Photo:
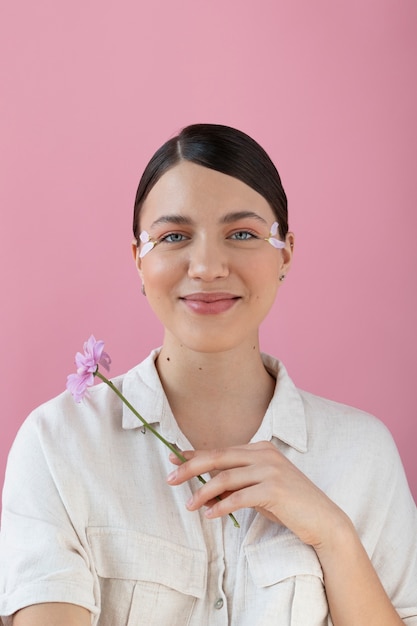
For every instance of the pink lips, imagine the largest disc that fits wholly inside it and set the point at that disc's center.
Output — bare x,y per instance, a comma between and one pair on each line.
210,303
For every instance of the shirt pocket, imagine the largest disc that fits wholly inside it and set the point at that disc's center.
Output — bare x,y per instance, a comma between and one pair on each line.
144,579
285,578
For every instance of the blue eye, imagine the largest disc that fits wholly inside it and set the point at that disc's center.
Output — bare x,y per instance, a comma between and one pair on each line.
243,235
173,238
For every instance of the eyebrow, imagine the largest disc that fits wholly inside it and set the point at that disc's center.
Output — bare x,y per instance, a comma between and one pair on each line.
241,215
172,219
229,218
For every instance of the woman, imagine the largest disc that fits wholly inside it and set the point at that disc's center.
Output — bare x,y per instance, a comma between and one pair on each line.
101,527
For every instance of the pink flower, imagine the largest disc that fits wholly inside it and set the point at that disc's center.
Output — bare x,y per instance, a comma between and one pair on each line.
277,243
87,366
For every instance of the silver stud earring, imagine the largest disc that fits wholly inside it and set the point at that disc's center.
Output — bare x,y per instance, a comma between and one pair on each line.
282,277
143,289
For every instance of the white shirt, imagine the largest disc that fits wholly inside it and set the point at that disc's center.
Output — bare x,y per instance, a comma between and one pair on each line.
88,517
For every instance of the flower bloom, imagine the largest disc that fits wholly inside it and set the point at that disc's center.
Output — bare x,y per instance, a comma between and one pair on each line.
272,239
87,365
149,244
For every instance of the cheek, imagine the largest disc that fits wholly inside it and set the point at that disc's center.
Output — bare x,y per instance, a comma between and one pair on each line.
159,273
265,271
267,283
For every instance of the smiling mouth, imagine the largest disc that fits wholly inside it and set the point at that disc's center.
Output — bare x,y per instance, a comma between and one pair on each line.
210,297
210,303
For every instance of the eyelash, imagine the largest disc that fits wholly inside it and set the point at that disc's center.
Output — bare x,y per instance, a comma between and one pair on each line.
168,238
244,232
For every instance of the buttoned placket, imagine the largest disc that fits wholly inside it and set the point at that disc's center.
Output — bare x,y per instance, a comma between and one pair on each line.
218,538
217,605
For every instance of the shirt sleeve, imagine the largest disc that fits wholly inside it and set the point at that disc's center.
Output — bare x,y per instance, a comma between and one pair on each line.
43,554
391,537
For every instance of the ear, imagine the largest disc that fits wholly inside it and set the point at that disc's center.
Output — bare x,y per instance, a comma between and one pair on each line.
135,253
287,253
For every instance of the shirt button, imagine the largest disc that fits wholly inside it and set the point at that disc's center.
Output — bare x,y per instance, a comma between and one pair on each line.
218,604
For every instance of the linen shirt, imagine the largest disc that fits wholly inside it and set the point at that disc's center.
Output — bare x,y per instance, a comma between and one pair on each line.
88,516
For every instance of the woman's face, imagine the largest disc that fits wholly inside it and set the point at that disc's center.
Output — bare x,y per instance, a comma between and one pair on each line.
211,278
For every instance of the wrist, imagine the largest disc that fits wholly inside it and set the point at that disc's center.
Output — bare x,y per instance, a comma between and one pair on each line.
338,537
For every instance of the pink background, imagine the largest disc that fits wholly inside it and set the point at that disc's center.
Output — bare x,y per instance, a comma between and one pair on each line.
90,89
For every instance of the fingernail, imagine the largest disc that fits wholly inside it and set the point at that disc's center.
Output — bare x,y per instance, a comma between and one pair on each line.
172,476
190,502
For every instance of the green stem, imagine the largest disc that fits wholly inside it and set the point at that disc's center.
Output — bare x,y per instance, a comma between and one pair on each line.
155,432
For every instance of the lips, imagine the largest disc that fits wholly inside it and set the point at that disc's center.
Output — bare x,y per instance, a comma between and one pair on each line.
210,303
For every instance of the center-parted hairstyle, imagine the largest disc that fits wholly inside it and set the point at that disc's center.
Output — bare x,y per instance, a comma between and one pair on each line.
225,150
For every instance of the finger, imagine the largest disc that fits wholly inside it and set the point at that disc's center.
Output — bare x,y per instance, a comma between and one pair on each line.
224,484
209,461
175,460
232,502
189,454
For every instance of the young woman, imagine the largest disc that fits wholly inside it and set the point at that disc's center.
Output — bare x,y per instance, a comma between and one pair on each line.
101,525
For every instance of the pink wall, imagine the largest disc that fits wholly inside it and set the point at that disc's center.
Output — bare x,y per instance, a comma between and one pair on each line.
90,89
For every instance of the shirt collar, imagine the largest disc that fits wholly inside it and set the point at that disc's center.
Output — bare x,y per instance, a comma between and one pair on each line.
143,388
284,419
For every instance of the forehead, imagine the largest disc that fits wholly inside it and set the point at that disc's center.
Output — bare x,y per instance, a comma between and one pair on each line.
199,191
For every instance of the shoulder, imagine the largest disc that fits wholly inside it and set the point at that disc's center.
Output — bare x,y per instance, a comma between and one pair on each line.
344,424
324,422
99,416
324,418
99,402
338,439
63,430
352,456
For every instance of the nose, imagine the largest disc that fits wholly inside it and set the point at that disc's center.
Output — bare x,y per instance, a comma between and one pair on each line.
208,260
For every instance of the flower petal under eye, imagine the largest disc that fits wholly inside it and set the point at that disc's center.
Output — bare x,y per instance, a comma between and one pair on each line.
149,243
144,236
276,243
147,248
274,229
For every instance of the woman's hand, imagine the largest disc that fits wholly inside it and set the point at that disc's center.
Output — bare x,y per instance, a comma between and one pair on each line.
258,476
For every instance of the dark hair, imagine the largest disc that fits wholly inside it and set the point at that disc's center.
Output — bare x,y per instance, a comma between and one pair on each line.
220,148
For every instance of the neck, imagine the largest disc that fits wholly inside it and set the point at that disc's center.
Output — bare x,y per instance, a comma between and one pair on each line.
218,399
